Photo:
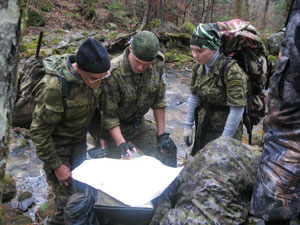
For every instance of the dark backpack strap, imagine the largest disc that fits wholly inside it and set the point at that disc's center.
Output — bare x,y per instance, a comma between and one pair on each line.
65,87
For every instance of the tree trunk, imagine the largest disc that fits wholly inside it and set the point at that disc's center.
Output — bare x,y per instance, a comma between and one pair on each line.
185,10
238,8
247,10
154,12
207,10
265,13
10,32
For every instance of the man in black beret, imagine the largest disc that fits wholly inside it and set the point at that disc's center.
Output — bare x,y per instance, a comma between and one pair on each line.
66,99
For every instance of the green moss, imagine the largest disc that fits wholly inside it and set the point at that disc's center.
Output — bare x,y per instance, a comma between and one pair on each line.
265,41
187,27
272,58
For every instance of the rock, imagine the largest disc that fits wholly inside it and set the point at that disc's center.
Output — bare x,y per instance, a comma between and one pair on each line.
13,216
274,42
25,200
9,187
77,37
67,26
111,26
62,45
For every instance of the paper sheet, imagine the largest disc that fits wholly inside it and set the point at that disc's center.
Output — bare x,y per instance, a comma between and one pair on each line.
133,182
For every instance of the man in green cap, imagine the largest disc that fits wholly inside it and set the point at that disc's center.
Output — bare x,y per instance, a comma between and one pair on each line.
137,84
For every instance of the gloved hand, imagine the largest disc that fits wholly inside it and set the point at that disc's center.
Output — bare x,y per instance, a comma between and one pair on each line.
188,136
126,146
164,142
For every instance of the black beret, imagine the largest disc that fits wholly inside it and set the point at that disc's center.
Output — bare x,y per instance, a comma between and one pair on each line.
92,57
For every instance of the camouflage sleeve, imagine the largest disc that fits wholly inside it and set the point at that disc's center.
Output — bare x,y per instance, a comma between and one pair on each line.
236,86
46,115
160,101
110,103
194,77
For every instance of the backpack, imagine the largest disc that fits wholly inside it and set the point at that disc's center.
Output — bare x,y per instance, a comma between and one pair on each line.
31,74
241,44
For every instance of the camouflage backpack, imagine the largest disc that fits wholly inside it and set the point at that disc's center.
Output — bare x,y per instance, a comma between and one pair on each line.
241,44
31,74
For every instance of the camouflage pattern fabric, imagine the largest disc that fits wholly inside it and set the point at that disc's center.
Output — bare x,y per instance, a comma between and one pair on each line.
145,45
58,121
214,187
206,35
211,91
71,156
126,94
277,188
59,126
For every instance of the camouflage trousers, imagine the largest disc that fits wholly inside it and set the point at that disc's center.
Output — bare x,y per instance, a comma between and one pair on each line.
210,126
214,187
144,138
71,156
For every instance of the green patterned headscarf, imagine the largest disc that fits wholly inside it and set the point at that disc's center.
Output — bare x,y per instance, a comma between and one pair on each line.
206,35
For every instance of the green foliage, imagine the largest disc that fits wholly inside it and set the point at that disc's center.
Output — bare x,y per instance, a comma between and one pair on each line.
117,10
46,7
35,19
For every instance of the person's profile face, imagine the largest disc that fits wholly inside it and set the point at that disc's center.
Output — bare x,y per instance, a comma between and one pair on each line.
202,55
138,66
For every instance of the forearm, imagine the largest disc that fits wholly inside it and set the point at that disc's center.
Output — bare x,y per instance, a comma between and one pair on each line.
116,134
193,103
233,120
159,115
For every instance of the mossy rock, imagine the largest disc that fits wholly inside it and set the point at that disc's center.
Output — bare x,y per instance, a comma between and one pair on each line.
9,187
35,19
272,58
187,27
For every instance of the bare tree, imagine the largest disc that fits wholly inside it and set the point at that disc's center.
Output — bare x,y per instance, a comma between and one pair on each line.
155,11
265,13
186,6
247,10
207,11
10,32
238,8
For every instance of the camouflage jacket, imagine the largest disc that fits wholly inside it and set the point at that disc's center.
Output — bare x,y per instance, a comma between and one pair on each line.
126,94
210,86
56,120
215,187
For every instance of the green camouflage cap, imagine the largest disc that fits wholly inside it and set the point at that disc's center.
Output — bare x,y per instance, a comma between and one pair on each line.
145,45
206,35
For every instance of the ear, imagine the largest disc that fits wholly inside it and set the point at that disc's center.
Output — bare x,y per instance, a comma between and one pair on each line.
130,48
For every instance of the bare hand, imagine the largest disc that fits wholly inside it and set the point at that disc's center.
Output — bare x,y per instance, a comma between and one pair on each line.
63,175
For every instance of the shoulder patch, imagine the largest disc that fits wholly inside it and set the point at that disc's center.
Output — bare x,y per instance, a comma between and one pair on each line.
164,79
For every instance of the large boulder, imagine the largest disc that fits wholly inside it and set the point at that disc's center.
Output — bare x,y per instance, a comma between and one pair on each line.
274,42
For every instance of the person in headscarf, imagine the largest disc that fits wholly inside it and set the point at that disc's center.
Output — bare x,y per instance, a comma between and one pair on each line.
216,103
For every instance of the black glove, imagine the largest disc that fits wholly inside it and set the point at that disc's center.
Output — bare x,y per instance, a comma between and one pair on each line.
124,147
166,143
168,148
